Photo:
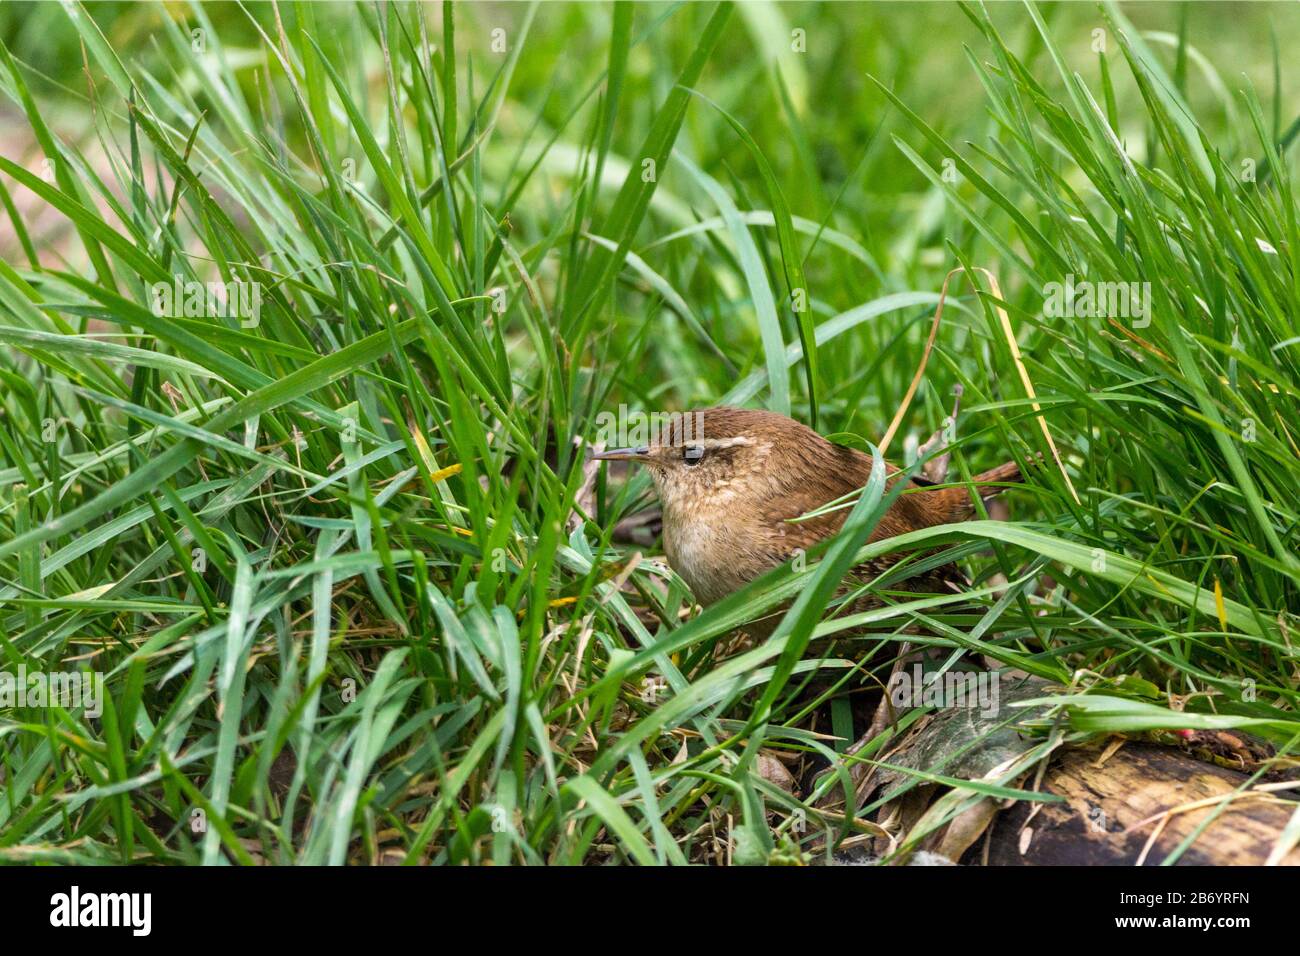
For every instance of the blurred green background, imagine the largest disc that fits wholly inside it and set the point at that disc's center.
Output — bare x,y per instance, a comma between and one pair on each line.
819,121
836,160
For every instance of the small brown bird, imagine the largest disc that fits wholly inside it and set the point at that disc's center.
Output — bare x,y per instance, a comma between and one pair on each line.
729,480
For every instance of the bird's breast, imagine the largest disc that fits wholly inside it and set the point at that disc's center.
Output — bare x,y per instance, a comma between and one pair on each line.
717,555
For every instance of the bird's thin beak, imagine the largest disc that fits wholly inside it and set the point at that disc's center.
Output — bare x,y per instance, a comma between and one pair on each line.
638,453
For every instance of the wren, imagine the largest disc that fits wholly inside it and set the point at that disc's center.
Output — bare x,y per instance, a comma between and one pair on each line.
731,479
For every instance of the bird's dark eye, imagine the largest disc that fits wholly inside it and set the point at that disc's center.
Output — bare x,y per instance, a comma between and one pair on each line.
692,454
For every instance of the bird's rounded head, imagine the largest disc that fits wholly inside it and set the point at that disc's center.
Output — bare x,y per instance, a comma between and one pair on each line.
714,456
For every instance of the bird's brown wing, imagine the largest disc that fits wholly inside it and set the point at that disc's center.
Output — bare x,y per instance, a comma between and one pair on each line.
917,507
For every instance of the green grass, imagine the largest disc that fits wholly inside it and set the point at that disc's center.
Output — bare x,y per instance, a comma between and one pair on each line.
330,564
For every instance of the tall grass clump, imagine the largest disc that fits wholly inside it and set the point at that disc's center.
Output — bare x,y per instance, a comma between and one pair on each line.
295,394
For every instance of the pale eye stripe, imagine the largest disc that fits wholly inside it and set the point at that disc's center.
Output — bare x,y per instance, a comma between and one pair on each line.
721,442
